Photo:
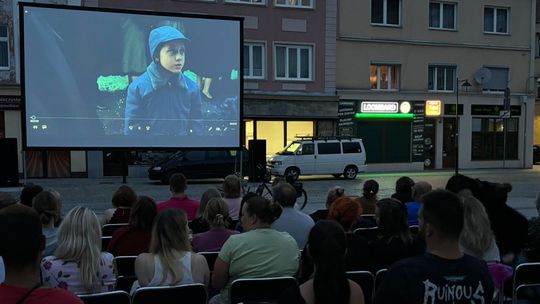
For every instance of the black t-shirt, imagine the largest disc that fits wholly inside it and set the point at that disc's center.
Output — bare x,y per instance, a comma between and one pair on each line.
430,279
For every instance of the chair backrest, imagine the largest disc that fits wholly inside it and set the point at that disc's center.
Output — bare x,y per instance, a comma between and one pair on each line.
525,275
210,258
105,240
379,277
414,229
366,280
112,297
261,289
190,293
367,233
125,265
109,229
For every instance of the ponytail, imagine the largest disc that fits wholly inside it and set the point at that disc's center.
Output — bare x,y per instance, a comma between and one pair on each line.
216,212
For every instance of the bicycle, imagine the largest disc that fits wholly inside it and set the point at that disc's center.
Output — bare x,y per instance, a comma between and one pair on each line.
264,190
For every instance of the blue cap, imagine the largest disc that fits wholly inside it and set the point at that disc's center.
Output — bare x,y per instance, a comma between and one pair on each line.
163,34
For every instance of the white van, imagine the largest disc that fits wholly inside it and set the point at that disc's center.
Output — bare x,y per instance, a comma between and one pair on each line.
305,156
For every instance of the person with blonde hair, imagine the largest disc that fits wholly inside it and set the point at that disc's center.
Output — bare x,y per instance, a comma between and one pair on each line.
47,205
232,195
170,261
216,214
477,238
78,264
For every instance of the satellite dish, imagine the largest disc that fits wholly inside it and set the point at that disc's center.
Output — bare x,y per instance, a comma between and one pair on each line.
482,76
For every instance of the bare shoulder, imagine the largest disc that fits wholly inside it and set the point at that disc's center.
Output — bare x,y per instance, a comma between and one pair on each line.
357,295
199,261
307,292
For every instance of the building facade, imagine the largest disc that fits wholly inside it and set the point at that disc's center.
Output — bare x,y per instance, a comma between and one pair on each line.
467,53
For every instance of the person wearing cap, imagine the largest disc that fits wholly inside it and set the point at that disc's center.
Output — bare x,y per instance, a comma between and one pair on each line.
162,101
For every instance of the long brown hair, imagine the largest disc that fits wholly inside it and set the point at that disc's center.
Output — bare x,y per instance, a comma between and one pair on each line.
170,236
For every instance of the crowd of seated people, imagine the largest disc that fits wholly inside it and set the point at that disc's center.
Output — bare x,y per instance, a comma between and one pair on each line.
455,238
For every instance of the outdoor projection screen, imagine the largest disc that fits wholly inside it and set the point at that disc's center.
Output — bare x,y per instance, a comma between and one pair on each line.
89,80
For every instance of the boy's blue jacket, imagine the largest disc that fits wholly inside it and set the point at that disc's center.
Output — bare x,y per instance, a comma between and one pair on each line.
161,103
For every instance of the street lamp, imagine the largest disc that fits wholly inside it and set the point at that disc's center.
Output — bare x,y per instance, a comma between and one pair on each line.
466,85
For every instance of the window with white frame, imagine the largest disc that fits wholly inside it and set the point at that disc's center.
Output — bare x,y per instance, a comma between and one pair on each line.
384,77
295,3
293,62
496,20
442,15
441,78
247,1
498,81
4,47
386,12
254,62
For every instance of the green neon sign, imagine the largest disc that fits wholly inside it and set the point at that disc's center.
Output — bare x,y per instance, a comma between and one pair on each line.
384,115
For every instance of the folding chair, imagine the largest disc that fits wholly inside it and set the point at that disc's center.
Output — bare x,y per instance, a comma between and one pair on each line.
366,280
414,229
125,272
261,289
109,229
379,277
367,233
210,258
105,240
526,282
190,293
112,297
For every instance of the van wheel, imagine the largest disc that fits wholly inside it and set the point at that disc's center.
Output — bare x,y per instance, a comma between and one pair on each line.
336,175
350,172
293,172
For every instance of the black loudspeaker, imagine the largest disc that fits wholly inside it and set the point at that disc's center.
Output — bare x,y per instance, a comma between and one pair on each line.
257,159
9,163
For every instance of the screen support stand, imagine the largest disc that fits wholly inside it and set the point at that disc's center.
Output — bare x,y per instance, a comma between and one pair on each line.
125,167
25,175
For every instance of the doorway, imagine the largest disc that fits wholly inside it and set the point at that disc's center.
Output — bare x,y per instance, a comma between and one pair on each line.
449,142
429,142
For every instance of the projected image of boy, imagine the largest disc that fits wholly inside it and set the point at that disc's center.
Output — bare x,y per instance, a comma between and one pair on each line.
162,101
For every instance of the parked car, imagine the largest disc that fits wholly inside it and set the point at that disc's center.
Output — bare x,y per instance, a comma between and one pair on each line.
536,154
336,156
197,164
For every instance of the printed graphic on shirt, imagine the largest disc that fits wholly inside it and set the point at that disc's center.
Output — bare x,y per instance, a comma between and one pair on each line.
453,291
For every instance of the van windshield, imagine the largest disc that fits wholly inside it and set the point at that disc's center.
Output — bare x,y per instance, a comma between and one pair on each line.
291,148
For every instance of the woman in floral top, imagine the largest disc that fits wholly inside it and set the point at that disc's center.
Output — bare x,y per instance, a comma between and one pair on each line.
78,264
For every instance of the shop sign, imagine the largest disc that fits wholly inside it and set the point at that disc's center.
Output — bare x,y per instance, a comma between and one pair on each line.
346,111
433,107
379,107
417,146
10,102
493,110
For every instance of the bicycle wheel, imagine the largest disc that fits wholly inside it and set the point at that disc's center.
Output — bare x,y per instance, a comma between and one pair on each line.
301,201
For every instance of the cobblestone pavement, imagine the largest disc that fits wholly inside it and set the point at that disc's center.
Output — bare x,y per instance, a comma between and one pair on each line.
96,193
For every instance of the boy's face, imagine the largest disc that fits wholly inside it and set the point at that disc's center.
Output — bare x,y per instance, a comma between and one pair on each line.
172,56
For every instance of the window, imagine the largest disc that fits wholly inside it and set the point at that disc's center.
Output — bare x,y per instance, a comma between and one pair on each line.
293,62
495,20
488,139
441,78
498,82
254,60
384,77
4,48
442,15
351,147
194,155
218,155
308,149
247,1
295,3
386,12
329,148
